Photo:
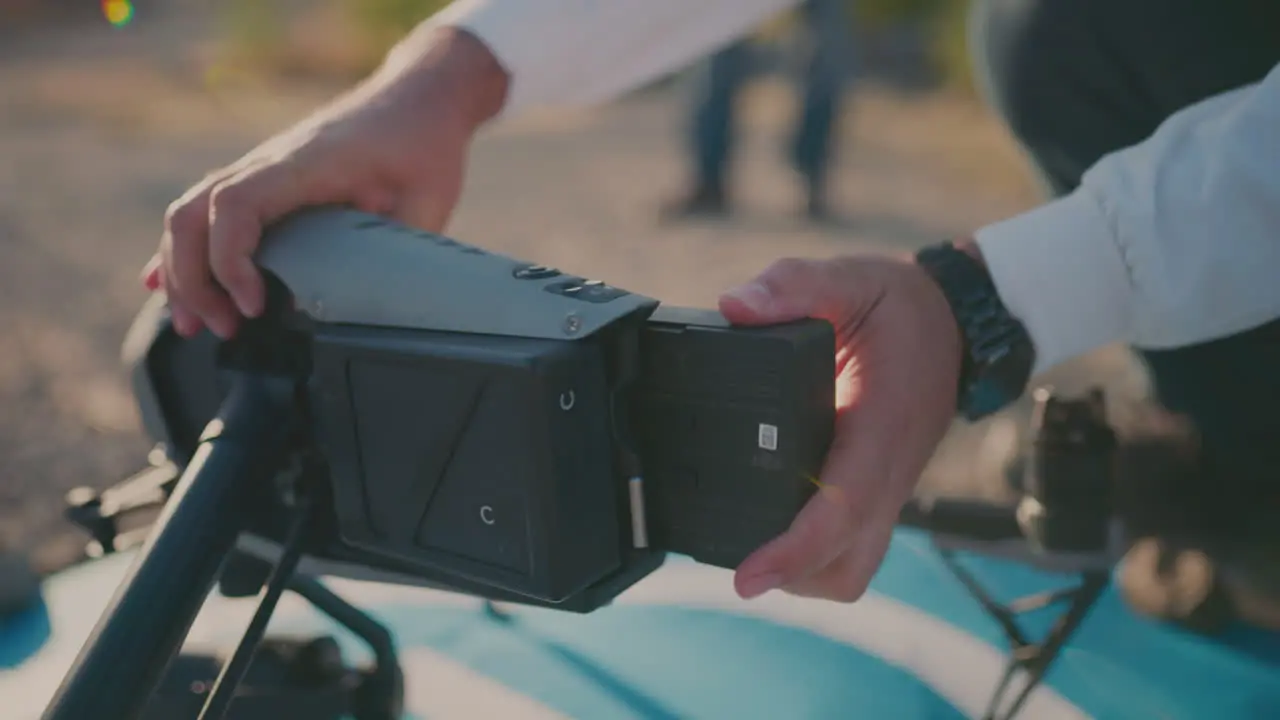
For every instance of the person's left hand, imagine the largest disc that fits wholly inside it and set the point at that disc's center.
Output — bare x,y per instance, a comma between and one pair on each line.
898,353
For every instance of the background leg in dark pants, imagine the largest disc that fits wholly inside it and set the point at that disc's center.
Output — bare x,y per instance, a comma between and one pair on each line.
828,69
712,140
713,125
1077,79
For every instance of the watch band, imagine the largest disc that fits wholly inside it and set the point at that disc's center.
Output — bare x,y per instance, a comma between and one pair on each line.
997,355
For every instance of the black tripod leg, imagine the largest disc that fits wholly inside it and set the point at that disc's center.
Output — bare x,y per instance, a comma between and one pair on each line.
1037,659
1001,614
381,696
1033,658
224,688
125,658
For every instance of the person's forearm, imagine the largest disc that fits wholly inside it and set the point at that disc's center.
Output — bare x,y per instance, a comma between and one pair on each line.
559,53
1172,242
443,61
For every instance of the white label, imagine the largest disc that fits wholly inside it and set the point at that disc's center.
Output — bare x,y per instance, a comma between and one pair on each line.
768,436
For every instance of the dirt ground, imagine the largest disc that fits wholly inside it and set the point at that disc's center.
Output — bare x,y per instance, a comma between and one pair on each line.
100,128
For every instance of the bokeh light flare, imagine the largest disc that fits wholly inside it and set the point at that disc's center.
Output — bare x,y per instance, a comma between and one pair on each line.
117,12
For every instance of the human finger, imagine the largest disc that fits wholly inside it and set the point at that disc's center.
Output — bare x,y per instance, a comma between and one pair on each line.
829,522
847,578
150,274
186,277
789,289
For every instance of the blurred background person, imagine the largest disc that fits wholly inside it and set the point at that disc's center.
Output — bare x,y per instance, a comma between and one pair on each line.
828,70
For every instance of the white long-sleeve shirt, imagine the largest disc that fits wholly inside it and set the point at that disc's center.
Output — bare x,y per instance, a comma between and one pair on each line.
1170,242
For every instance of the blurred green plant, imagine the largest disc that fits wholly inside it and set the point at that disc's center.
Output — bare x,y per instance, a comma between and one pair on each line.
383,22
274,36
260,33
945,23
253,29
879,13
950,45
380,24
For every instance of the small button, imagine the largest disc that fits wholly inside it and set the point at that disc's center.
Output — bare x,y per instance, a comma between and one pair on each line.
592,291
600,293
535,272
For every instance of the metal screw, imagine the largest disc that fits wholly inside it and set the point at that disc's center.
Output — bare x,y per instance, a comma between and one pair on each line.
572,324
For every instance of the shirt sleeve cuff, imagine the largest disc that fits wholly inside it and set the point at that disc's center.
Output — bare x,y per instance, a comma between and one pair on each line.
528,39
1059,270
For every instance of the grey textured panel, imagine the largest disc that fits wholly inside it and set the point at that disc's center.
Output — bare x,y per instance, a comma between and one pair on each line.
345,266
147,325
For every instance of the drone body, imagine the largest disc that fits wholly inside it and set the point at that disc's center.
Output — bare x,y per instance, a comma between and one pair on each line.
433,428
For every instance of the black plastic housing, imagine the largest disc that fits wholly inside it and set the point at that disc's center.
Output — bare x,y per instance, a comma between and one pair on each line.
480,456
501,467
732,426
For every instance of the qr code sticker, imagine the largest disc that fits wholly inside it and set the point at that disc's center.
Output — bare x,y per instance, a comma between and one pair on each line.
768,436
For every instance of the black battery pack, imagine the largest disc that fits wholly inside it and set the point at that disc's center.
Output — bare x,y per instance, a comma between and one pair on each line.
732,425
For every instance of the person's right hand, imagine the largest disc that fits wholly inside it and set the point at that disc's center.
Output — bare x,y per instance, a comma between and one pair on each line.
395,145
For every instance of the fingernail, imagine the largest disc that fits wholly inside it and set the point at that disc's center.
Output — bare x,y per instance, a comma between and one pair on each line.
249,308
760,584
755,296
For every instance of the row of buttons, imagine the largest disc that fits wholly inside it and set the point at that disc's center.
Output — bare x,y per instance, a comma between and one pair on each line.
593,291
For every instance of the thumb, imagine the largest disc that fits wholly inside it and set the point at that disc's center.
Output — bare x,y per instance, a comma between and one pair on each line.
790,289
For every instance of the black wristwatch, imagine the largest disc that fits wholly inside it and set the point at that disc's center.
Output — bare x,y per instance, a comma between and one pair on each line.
998,355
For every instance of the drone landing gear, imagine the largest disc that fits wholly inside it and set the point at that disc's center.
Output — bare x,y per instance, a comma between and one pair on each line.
1034,659
380,693
268,678
287,678
271,678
